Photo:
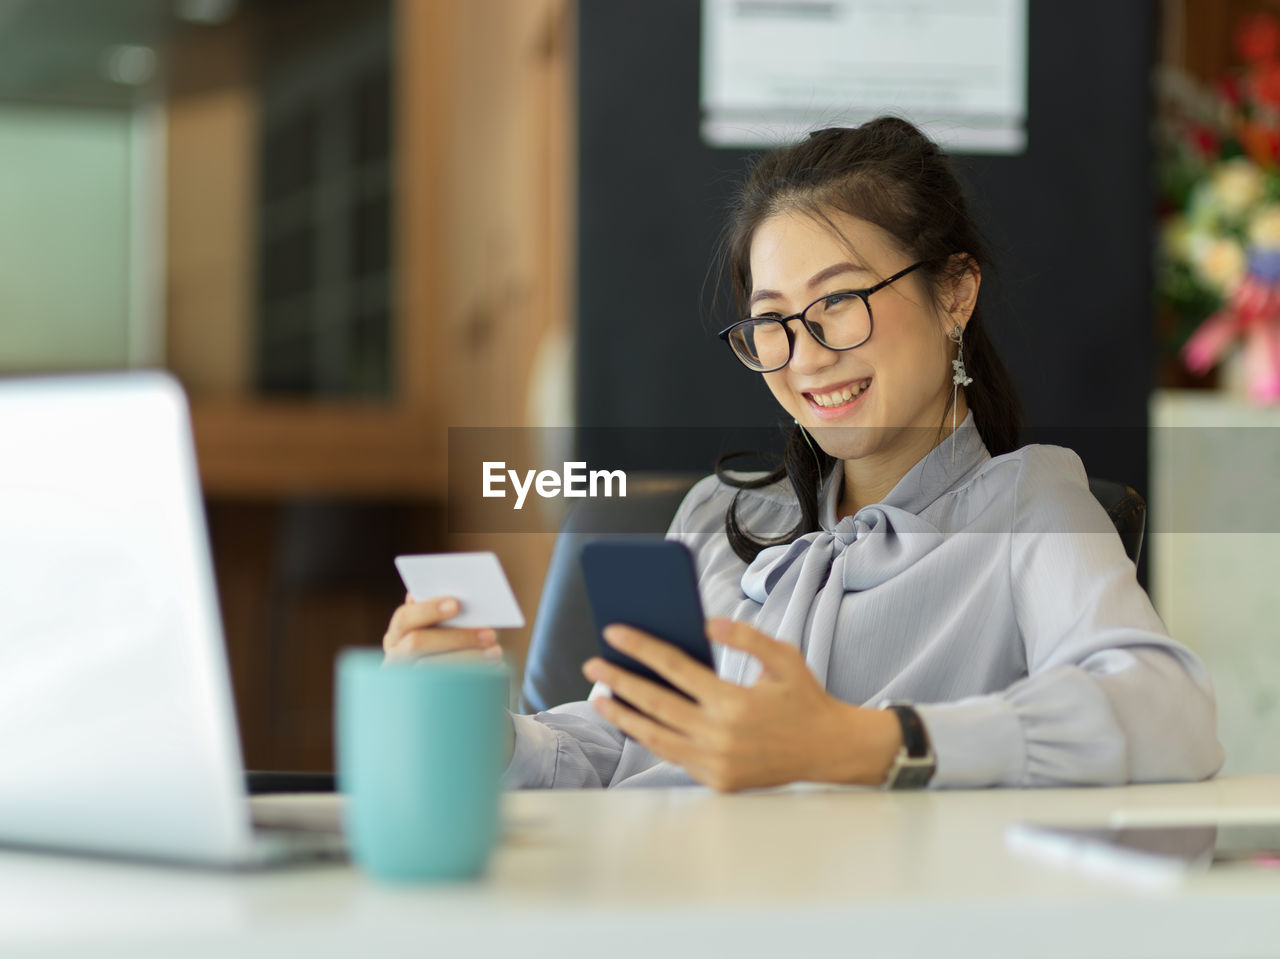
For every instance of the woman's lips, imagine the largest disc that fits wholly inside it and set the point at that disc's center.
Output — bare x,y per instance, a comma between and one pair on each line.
835,412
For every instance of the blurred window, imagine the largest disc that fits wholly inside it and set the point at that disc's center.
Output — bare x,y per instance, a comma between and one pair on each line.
325,213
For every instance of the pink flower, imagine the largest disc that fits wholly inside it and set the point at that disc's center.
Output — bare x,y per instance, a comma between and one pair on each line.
1262,362
1211,340
1252,315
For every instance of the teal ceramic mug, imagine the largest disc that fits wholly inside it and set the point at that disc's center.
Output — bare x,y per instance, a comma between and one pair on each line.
421,748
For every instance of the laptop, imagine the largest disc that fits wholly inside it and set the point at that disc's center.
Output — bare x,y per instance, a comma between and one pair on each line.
117,723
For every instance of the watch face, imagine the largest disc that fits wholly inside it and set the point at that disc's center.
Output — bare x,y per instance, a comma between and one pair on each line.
911,776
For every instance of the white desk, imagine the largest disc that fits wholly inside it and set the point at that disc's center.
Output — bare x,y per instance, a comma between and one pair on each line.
659,873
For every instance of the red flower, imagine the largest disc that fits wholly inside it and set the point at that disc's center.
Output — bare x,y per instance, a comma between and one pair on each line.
1273,147
1229,90
1258,37
1266,82
1258,143
1204,141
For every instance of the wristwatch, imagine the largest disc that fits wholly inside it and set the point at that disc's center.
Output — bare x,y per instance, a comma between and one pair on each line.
914,765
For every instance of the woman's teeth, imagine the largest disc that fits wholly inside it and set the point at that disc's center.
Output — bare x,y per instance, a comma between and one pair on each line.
840,397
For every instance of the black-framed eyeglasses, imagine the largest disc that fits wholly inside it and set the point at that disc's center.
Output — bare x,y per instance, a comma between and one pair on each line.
843,322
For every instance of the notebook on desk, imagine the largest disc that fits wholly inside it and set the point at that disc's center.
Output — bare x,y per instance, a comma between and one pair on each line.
117,723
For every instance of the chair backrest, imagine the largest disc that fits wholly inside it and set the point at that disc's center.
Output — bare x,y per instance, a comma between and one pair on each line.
563,633
1127,509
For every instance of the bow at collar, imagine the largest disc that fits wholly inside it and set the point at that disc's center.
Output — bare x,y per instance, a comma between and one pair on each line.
800,585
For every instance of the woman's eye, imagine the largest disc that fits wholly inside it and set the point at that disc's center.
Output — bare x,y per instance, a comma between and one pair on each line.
835,299
768,316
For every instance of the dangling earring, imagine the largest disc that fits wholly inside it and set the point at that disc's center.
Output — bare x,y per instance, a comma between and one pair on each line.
959,378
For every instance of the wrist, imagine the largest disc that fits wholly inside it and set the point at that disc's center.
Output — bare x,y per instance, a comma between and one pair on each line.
860,746
915,764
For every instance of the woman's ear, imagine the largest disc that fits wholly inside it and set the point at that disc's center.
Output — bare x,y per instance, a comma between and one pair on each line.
960,295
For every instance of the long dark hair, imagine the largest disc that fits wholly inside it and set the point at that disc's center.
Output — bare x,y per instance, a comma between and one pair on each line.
888,173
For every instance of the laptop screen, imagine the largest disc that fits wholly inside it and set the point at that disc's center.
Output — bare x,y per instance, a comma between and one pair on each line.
116,716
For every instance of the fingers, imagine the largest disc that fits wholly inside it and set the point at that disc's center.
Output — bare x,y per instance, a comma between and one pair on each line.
414,632
413,615
658,739
432,642
669,708
776,657
668,661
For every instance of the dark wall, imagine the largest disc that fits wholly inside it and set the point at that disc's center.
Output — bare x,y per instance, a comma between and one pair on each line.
1069,222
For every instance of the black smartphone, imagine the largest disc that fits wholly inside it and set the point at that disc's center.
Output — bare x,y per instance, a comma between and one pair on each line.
650,584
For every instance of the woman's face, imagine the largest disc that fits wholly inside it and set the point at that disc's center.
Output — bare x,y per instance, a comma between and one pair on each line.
886,397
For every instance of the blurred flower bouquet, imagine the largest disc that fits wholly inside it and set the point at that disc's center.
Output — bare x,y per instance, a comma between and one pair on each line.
1218,265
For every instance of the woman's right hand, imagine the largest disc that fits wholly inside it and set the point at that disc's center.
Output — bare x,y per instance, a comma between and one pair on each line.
414,632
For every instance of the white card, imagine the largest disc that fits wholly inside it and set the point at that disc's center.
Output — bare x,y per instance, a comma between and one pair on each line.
476,580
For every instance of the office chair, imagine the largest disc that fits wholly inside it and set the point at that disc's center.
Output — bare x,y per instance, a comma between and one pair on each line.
563,634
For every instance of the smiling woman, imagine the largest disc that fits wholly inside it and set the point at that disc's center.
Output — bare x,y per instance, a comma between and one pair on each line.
872,408
880,201
910,599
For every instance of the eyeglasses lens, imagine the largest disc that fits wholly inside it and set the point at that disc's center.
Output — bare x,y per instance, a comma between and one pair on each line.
838,322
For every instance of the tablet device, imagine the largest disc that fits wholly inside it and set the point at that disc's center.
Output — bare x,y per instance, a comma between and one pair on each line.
476,580
650,584
1166,851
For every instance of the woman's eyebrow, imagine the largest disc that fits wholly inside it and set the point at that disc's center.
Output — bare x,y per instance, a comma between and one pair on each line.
818,278
823,275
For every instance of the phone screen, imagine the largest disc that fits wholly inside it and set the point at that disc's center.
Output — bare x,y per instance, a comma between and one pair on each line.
650,584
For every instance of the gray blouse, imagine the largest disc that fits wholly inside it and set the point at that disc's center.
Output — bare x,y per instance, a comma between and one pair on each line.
992,592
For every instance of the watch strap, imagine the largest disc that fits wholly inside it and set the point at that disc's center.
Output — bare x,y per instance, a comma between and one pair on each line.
914,765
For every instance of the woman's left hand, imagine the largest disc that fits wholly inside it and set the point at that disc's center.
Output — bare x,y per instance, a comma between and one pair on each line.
784,728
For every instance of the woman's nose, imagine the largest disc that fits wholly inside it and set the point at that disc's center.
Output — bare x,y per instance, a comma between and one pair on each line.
807,354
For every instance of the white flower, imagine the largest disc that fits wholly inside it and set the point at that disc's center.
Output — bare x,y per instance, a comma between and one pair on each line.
1235,186
1264,227
1218,261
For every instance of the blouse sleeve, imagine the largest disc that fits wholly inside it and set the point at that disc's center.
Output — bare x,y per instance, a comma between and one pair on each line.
572,746
568,747
1109,698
